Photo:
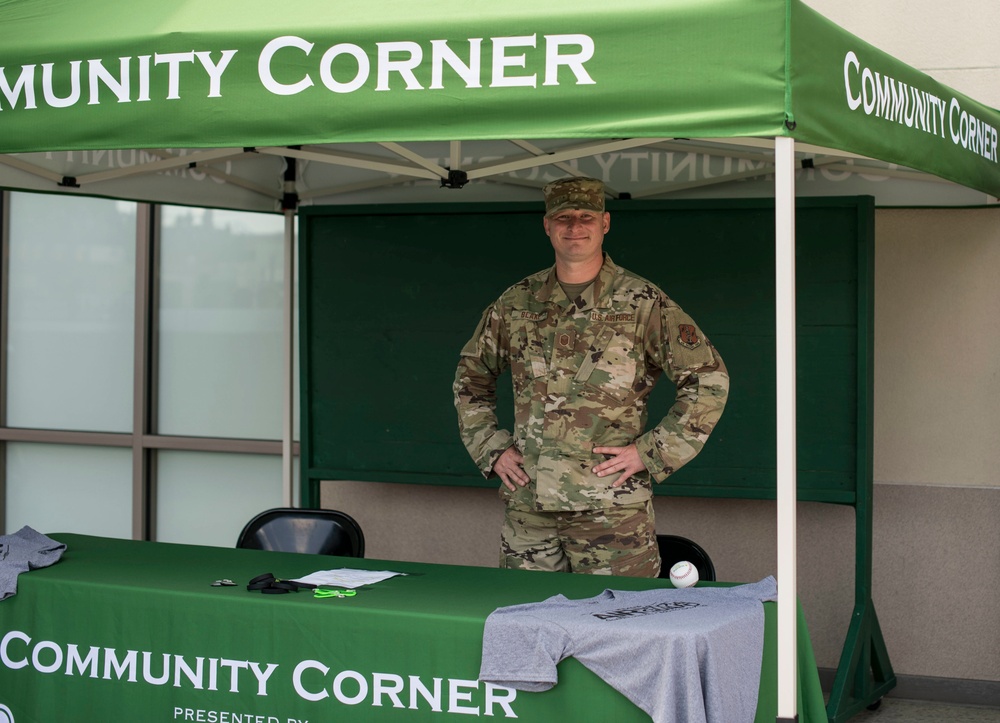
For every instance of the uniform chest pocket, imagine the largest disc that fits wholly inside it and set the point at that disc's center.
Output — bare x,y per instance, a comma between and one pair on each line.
610,362
527,351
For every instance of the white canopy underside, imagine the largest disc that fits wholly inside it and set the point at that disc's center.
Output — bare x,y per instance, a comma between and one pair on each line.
465,171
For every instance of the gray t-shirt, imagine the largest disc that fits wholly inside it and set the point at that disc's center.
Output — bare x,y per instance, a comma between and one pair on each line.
690,655
25,550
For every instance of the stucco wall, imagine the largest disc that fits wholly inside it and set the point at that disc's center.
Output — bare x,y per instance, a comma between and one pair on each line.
957,42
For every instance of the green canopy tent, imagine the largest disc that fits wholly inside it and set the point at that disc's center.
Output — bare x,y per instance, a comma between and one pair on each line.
239,82
249,105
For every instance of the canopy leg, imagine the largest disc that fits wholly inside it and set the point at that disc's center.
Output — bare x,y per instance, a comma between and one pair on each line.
784,259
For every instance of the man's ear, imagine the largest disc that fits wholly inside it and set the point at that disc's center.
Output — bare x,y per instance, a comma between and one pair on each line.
607,222
545,224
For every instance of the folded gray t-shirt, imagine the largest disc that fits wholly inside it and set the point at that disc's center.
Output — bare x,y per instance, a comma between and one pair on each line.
25,550
691,655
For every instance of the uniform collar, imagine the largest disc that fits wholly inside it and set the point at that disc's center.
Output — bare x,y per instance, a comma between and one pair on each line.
595,296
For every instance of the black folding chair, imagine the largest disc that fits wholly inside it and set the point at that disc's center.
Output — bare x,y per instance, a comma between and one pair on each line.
674,548
318,532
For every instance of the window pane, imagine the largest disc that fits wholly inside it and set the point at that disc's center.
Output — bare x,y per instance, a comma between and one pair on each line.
205,498
220,340
69,488
72,278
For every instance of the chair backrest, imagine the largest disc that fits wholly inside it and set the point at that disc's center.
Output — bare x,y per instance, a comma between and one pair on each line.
318,532
674,548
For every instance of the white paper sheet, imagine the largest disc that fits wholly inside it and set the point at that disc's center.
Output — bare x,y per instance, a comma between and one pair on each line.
346,577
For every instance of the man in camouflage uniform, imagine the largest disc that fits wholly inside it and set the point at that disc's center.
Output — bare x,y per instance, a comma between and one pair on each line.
585,342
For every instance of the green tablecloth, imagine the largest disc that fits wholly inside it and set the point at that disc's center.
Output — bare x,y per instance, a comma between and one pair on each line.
134,631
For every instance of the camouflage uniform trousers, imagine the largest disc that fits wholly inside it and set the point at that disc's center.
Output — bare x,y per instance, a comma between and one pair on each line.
619,540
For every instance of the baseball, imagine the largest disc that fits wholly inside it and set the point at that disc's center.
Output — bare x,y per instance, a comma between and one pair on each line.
683,574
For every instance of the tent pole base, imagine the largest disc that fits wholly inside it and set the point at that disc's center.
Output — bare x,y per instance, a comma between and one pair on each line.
865,674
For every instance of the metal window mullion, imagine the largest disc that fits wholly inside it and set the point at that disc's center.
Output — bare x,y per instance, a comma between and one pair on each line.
234,445
153,365
150,442
143,502
288,358
4,298
65,437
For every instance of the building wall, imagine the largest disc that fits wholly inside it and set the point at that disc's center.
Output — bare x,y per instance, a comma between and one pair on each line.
957,43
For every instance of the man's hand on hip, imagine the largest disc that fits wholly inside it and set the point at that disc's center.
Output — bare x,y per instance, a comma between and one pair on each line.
625,460
508,468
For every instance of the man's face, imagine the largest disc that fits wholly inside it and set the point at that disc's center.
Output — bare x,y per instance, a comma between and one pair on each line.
577,234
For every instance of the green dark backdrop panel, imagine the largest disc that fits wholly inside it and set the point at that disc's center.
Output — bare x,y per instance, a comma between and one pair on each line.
390,294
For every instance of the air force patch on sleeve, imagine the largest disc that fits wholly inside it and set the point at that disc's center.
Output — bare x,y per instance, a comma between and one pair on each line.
687,336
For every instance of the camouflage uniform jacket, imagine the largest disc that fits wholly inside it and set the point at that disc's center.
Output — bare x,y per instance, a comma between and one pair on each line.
582,371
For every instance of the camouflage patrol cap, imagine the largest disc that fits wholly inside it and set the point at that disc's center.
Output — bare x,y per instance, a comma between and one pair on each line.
577,193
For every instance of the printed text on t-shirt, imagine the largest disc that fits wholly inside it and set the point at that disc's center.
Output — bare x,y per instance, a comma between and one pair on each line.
640,610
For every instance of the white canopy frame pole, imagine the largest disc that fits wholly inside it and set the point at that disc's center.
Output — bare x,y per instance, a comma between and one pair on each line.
784,281
288,346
